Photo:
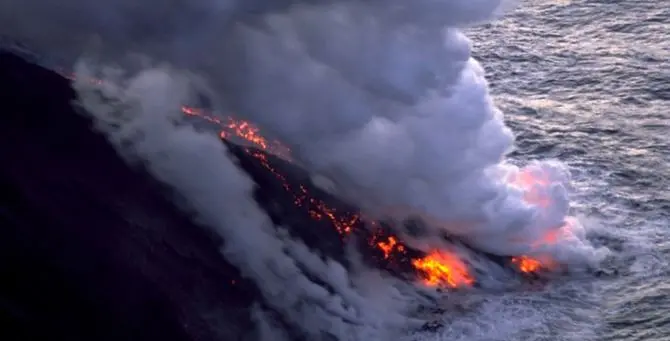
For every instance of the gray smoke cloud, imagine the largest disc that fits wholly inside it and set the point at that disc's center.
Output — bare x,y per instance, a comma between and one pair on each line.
381,97
140,114
391,107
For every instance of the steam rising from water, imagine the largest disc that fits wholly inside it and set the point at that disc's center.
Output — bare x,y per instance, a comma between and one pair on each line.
381,97
389,105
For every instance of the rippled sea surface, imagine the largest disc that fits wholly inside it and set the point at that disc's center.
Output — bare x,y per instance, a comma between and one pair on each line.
588,82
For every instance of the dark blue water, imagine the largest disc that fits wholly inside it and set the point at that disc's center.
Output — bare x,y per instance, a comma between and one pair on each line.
588,82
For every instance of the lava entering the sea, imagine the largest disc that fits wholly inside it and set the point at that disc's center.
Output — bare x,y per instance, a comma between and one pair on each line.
438,268
530,182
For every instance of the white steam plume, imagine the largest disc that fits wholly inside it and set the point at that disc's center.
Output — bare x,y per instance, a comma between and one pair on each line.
141,116
390,105
382,97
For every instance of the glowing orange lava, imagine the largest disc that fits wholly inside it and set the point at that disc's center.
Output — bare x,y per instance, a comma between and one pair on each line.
388,246
527,264
243,130
441,267
437,269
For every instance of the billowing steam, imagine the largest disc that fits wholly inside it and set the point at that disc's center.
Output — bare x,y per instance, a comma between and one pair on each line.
391,107
381,97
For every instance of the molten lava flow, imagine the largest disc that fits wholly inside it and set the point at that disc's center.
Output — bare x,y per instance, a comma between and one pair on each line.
527,264
441,267
232,127
388,246
243,130
438,268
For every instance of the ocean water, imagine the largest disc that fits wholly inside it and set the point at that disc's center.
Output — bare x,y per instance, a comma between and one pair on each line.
588,82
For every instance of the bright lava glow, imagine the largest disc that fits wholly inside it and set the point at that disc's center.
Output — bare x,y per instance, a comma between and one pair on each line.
437,269
440,268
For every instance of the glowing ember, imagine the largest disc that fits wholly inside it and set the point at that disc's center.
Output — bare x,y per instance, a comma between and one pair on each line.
342,224
526,264
388,246
243,130
441,268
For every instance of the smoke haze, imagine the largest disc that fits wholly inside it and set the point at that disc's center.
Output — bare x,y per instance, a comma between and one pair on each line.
380,97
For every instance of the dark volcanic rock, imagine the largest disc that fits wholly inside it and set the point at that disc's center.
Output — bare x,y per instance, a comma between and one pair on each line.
89,248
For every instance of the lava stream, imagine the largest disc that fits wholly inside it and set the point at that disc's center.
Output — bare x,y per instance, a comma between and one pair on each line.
438,268
441,267
243,130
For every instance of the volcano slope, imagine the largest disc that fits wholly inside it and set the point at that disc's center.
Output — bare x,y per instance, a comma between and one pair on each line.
93,250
